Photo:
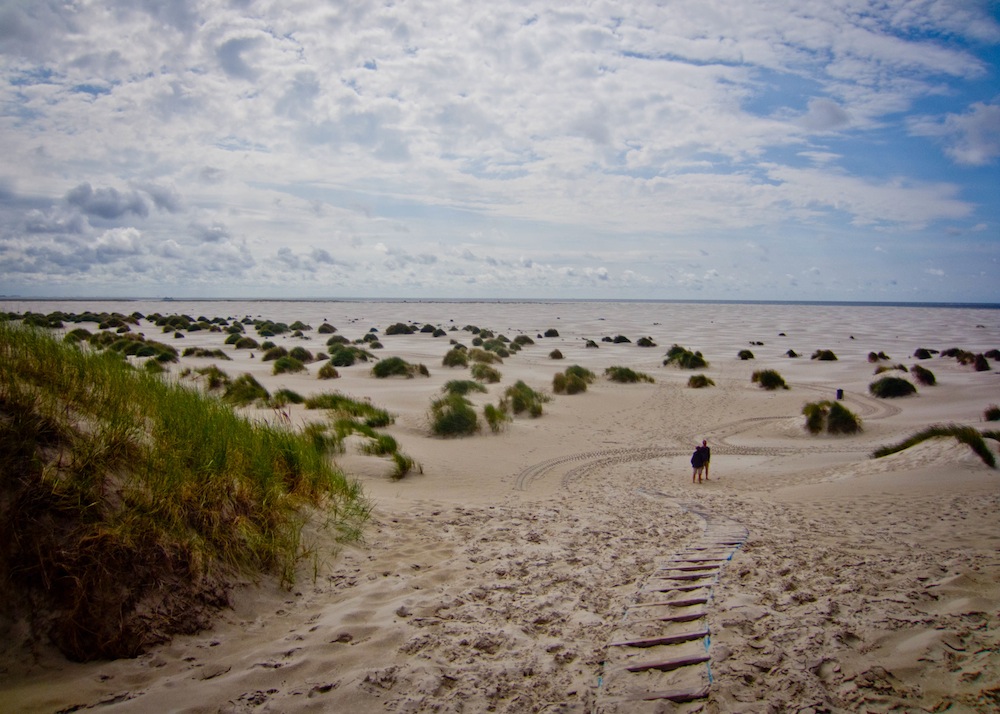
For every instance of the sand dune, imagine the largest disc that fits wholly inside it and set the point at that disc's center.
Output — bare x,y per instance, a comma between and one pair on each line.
502,577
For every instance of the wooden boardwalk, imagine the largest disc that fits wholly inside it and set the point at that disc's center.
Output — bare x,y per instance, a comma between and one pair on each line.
661,651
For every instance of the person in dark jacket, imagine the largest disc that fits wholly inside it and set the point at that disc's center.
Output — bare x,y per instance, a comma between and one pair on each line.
706,456
698,464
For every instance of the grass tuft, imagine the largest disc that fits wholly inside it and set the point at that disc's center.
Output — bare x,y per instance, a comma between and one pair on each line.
398,367
965,434
485,373
923,375
685,358
832,416
768,379
891,388
452,415
520,398
699,381
626,375
463,387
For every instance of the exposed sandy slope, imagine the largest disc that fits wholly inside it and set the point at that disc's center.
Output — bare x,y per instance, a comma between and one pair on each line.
496,580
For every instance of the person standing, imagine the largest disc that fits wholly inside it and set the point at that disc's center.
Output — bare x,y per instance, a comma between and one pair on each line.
698,464
706,456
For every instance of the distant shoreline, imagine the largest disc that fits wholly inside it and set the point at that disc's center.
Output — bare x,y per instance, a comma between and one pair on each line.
515,301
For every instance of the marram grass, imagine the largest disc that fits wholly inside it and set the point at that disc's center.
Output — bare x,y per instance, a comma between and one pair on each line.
121,489
965,434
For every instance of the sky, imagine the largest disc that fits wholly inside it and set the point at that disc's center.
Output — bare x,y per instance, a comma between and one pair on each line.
678,149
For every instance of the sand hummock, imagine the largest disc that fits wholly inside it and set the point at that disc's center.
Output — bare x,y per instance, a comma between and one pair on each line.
506,576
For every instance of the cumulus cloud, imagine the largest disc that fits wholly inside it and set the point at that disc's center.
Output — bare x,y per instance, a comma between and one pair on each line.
824,115
971,138
108,203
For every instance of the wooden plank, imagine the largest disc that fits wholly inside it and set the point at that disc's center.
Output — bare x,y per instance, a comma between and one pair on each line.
677,696
669,664
677,603
690,568
663,640
685,577
682,617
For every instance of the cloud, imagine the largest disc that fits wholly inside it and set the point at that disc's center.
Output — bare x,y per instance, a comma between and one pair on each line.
117,243
971,139
824,115
107,203
511,147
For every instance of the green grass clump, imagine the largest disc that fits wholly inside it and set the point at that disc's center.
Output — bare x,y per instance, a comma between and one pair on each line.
842,420
80,334
128,504
645,342
520,398
341,405
552,332
345,355
834,417
484,356
288,365
398,367
824,356
685,358
399,328
625,375
992,413
214,378
244,391
328,371
485,373
745,354
462,386
244,343
284,397
455,357
573,380
964,434
497,417
768,379
273,352
699,381
301,354
891,388
453,415
923,375
555,354
923,353
523,340
792,354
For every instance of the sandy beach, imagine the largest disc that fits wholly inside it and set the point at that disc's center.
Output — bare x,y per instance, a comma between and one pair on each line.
570,564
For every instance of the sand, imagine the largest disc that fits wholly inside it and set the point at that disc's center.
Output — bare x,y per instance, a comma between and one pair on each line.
507,575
